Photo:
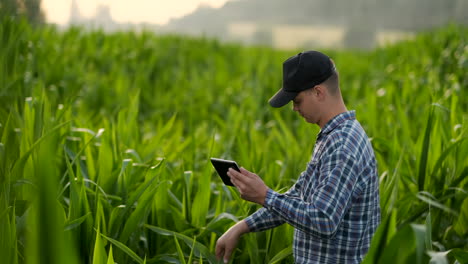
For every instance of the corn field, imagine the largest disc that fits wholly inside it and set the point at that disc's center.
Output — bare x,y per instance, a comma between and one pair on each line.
105,140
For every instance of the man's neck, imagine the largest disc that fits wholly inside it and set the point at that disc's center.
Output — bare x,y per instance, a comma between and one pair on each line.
332,112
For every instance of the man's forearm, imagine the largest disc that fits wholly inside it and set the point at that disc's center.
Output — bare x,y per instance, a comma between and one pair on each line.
240,228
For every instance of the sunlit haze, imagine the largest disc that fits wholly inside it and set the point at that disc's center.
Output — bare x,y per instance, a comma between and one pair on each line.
134,11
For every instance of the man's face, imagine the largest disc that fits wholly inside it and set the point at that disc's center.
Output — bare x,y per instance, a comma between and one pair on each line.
306,104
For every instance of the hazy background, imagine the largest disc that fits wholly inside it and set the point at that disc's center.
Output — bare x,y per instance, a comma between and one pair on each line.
283,24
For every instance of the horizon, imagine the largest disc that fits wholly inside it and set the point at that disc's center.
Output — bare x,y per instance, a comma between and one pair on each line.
122,11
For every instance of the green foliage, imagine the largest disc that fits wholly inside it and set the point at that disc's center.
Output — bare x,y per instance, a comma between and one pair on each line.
29,9
105,142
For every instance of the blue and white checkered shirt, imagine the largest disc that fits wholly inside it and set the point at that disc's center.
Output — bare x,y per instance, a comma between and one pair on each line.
334,205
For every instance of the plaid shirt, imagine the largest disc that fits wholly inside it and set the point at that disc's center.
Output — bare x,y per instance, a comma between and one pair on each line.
334,205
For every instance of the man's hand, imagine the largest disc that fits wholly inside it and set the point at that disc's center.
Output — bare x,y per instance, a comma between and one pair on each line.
228,242
250,186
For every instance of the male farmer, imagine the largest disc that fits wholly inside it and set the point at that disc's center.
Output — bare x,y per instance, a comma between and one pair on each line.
334,205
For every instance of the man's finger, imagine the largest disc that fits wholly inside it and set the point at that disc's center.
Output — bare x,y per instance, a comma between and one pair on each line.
234,182
227,254
239,185
244,171
220,254
219,251
247,173
233,174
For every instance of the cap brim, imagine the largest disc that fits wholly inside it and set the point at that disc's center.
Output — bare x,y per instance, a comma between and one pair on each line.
281,98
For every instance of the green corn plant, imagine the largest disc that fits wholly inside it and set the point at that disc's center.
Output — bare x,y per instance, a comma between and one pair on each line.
105,142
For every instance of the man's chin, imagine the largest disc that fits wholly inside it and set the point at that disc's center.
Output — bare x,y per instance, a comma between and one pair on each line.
309,120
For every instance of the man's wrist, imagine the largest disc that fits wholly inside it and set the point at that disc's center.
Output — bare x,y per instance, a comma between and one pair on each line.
263,197
242,227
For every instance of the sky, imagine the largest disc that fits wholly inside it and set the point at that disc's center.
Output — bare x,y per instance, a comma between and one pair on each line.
134,11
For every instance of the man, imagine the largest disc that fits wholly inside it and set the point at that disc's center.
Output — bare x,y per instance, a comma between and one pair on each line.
334,205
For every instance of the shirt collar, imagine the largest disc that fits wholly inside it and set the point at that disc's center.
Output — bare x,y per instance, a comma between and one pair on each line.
336,121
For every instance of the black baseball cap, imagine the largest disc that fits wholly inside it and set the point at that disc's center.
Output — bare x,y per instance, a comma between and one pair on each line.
301,72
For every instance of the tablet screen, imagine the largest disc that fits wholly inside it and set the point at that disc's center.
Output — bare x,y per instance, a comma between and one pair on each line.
222,166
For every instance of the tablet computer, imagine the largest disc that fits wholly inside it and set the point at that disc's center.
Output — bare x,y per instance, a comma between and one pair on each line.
222,166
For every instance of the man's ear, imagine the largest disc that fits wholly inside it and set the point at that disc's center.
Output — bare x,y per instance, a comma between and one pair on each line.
320,92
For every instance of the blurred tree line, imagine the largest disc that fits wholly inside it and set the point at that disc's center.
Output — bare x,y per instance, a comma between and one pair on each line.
362,19
30,9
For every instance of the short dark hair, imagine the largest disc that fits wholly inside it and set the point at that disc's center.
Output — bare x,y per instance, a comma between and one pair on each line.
333,83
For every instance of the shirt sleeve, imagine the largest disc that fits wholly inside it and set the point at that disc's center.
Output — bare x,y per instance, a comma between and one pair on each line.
265,218
328,202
